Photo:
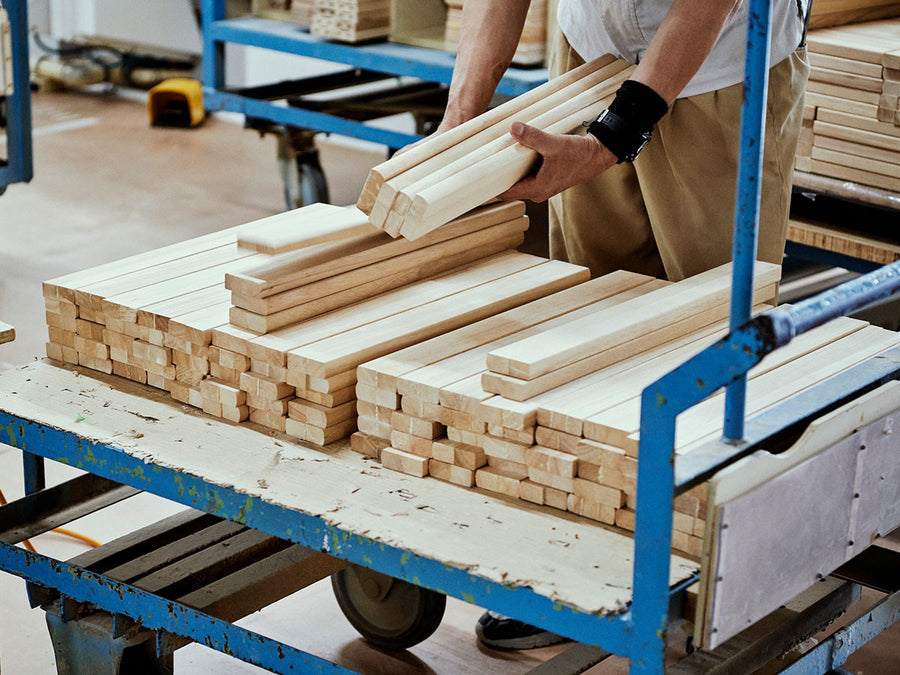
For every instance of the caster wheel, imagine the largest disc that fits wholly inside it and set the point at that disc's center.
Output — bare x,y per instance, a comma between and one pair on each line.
389,613
303,181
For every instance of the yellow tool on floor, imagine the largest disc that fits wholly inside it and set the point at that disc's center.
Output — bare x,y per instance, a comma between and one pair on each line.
176,102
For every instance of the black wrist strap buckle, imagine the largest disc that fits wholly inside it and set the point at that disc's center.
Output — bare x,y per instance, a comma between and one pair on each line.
617,135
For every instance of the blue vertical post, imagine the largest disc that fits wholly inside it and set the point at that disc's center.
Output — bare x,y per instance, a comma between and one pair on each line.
18,130
213,52
753,125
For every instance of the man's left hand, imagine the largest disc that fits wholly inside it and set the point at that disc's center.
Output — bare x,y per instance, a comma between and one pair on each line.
566,160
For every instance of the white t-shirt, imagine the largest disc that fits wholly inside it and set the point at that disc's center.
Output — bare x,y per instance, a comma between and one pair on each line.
625,28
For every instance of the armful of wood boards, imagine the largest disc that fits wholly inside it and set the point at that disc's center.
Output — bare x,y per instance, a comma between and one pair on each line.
779,523
7,333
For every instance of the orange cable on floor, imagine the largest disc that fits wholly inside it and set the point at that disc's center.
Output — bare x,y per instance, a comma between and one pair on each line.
93,543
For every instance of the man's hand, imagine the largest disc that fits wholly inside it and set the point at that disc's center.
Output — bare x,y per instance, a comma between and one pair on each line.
565,161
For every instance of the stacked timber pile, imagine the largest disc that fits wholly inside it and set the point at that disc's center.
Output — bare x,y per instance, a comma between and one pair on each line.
420,190
532,46
851,126
433,408
351,20
162,318
299,12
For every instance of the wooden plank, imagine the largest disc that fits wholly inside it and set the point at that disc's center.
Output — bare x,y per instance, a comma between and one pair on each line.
856,175
385,371
844,65
850,122
7,333
425,382
302,228
867,164
496,240
850,148
436,144
850,80
823,101
307,266
823,476
846,242
562,346
849,93
357,346
273,347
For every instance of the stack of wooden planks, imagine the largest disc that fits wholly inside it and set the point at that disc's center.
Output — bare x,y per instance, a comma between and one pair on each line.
851,125
447,175
430,409
162,318
299,12
531,49
351,20
344,260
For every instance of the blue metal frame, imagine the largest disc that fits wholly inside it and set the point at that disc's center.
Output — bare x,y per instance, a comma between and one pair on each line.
19,162
383,57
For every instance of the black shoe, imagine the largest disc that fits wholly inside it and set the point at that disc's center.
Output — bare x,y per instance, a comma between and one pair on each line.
501,632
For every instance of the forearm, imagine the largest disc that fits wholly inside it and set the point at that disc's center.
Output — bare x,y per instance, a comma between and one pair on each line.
490,33
682,43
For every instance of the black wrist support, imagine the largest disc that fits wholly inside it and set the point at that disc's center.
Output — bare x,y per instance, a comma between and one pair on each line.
627,125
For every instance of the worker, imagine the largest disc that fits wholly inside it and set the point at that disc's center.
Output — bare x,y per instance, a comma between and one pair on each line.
651,186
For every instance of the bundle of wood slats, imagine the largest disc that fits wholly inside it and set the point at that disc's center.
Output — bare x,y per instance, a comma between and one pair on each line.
299,12
445,176
351,20
532,44
827,13
425,410
162,318
851,125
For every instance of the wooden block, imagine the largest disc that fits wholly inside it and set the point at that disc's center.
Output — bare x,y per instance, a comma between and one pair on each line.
223,393
134,373
376,412
61,322
601,494
494,480
586,450
420,409
451,473
414,426
302,228
333,383
551,480
62,353
462,421
466,437
522,437
625,519
531,492
855,175
551,461
385,399
599,512
372,427
421,447
225,374
558,499
461,454
367,445
320,416
330,435
234,414
333,400
503,449
230,359
265,387
151,354
89,329
91,349
397,460
61,337
267,418
276,407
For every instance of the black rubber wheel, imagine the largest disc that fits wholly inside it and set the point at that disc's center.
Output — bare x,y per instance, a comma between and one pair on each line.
303,181
389,613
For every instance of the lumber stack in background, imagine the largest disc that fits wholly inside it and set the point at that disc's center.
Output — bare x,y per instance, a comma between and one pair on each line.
829,13
532,46
291,11
424,411
851,123
446,175
162,318
351,20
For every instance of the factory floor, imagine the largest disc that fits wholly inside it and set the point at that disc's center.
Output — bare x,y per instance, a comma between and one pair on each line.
106,186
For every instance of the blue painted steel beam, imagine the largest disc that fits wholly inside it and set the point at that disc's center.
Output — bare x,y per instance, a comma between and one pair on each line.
19,168
299,117
156,613
313,532
746,217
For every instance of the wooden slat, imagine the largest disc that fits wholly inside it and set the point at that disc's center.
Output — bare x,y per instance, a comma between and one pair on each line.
856,175
7,333
845,242
537,356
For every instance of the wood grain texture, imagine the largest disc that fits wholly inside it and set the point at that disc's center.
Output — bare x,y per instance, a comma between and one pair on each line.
302,228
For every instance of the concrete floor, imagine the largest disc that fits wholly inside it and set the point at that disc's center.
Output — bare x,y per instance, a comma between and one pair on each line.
106,186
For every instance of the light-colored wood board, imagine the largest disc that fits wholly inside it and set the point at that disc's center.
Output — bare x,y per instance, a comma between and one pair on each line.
856,175
823,101
848,93
842,79
844,65
850,148
425,383
437,144
416,261
846,242
863,42
7,333
273,347
384,372
301,228
776,382
810,498
295,269
540,355
867,164
358,346
846,125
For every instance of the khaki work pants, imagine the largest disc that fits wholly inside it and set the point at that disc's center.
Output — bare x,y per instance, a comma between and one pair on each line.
670,214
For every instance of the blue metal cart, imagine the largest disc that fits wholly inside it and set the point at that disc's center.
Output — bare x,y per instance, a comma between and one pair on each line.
15,106
635,619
